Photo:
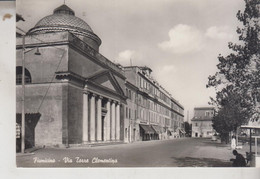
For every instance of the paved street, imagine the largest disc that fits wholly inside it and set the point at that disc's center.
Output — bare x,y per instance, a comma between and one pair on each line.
186,152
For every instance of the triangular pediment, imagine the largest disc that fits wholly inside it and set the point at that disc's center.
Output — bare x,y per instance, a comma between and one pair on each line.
106,80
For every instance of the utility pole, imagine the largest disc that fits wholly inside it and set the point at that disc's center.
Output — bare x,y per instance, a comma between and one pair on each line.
23,96
188,120
18,18
131,62
23,92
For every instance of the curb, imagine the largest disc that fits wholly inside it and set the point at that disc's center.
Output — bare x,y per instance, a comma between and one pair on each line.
23,154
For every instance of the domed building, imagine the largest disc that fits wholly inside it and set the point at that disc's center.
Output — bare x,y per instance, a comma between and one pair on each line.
64,19
73,94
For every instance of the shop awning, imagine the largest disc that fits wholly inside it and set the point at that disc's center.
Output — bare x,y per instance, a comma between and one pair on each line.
249,127
169,132
147,129
182,131
157,129
31,118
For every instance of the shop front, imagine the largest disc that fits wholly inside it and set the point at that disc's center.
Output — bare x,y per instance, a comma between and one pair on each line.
158,132
31,120
146,132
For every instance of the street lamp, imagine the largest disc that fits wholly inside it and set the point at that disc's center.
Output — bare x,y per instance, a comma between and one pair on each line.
23,90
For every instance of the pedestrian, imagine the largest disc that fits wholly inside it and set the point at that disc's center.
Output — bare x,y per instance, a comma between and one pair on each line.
239,161
233,143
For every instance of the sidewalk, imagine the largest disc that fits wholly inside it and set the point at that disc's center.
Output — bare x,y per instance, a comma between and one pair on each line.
212,149
221,151
29,151
207,154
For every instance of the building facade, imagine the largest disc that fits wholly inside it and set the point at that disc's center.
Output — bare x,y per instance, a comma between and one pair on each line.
202,122
131,124
74,95
158,115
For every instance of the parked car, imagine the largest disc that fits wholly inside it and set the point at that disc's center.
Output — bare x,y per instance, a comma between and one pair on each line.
214,137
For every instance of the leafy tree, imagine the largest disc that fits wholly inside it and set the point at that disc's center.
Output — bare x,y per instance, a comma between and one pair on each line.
237,81
230,115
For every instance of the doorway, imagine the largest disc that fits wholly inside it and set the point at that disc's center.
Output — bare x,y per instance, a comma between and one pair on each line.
134,134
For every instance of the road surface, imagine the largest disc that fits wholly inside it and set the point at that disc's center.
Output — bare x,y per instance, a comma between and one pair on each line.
185,152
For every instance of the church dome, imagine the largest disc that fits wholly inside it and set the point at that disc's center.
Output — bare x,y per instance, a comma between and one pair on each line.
64,19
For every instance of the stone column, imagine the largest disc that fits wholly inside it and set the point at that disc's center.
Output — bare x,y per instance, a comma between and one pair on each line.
107,122
117,125
92,117
85,118
113,118
99,119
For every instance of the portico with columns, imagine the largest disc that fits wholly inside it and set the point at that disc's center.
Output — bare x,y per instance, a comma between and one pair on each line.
102,104
101,118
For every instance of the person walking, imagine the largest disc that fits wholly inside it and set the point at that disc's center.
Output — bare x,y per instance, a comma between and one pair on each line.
233,143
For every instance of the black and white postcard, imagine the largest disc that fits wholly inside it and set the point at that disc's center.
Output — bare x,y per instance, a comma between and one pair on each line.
133,84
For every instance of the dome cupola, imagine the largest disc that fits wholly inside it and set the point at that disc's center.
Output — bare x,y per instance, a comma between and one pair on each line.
64,19
64,10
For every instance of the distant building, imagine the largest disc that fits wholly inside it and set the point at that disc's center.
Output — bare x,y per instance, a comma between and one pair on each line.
202,122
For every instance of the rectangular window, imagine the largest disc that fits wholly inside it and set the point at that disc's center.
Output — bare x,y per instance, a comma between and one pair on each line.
126,112
129,94
207,114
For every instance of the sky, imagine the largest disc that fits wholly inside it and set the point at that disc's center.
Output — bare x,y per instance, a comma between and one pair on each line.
179,40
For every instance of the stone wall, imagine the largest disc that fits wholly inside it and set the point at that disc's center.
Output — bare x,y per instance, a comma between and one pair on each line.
75,109
48,101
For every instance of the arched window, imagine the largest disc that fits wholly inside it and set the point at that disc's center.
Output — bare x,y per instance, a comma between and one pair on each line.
27,75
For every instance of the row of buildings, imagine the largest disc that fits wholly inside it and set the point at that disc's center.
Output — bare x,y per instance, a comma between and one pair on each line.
150,106
74,95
